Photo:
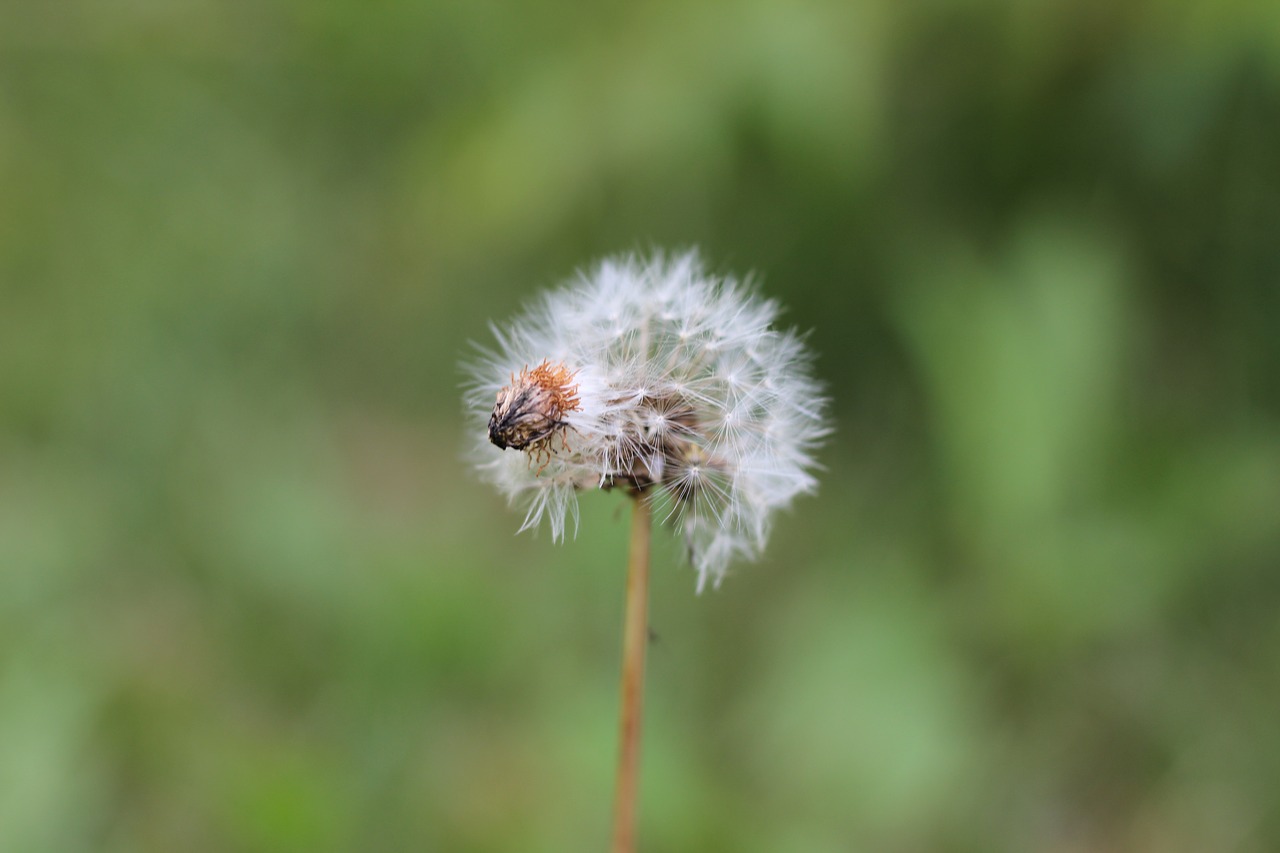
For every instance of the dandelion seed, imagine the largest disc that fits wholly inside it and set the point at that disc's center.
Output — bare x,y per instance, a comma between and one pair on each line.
652,376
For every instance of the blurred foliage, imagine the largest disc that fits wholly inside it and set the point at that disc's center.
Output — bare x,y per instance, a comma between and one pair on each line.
252,599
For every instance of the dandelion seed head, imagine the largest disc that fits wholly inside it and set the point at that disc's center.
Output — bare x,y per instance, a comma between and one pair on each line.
651,375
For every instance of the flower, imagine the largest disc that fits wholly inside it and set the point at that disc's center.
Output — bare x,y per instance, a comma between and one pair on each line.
651,375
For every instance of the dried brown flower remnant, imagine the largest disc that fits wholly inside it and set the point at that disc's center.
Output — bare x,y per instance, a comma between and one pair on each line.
530,409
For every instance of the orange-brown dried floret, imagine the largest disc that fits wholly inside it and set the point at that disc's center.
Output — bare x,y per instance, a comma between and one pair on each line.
530,411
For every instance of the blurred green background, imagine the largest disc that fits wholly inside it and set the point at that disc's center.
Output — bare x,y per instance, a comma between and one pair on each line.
252,599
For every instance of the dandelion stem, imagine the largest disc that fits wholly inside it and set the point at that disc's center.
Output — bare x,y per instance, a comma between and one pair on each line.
635,637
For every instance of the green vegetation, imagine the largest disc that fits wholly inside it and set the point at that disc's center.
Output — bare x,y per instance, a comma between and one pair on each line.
251,598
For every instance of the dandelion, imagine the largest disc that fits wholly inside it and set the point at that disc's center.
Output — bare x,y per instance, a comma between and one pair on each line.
651,376
654,377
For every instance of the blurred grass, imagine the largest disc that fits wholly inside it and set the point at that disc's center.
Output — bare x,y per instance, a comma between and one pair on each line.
252,599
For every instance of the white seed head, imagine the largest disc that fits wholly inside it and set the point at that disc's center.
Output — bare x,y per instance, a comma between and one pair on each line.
651,375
